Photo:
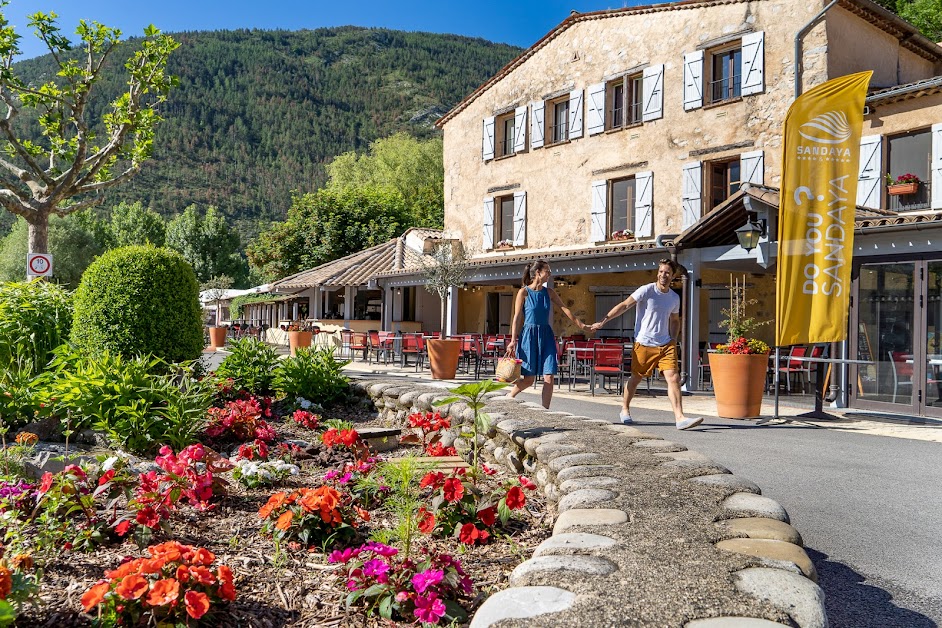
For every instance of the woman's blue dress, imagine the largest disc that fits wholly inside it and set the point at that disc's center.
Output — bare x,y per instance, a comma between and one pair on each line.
537,344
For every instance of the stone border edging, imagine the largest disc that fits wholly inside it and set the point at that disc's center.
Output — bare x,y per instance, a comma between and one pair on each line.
607,481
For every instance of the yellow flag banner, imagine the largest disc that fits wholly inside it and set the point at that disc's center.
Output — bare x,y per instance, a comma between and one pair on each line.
816,213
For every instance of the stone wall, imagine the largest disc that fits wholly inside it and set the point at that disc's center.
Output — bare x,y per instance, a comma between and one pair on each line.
647,532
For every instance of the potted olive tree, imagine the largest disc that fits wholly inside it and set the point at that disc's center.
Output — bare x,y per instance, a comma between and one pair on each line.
214,291
446,270
739,367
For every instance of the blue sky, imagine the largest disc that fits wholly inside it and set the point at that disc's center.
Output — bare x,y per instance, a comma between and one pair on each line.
518,23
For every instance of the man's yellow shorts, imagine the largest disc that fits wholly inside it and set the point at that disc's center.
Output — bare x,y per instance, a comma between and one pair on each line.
644,359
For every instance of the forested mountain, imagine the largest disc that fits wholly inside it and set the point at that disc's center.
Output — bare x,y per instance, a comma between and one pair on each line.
258,113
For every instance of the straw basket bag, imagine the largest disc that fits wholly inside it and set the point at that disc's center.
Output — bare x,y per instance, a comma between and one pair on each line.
507,370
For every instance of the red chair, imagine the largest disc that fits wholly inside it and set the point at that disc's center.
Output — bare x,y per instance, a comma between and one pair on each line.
794,367
412,345
608,361
377,347
902,368
359,343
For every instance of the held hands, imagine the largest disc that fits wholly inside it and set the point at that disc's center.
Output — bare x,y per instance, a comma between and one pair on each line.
597,326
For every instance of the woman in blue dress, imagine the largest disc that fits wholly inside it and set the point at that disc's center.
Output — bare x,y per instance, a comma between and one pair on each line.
532,339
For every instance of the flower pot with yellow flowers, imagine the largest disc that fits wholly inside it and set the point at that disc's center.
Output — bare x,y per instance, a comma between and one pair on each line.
739,367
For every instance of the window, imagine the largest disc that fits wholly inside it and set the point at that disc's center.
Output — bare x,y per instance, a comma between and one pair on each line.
622,205
505,135
724,180
725,78
624,101
559,121
504,223
910,154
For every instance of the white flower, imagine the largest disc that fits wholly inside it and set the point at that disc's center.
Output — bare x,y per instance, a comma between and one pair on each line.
109,463
304,403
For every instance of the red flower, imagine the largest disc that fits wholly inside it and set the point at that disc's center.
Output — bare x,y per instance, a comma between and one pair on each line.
46,483
123,527
487,516
349,437
432,479
469,534
526,483
163,592
487,470
94,596
515,498
196,604
148,517
453,489
426,521
132,587
226,589
106,477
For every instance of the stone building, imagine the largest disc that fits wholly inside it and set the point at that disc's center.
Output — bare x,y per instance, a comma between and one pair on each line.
628,135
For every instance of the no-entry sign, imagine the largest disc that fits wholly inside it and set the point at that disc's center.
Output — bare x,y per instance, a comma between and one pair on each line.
39,265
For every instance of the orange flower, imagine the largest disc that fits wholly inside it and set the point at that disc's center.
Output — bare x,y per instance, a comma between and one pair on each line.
226,589
196,604
23,561
275,501
132,587
6,582
203,575
26,438
364,514
152,565
132,566
95,595
163,592
284,521
171,550
203,556
183,573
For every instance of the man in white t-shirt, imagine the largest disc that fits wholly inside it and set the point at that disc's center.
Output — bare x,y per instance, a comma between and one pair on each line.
657,323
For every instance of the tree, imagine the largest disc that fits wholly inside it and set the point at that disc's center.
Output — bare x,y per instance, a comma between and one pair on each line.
408,165
132,224
926,15
208,244
446,270
215,290
67,169
328,225
72,245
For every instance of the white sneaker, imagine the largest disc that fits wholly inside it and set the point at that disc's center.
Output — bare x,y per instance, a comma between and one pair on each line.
625,418
689,422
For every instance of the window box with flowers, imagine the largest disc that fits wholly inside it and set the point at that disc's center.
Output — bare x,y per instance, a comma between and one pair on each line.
904,184
623,235
739,367
504,245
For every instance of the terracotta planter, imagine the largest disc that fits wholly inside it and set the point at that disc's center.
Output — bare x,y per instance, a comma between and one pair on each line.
739,383
217,337
299,339
443,357
899,189
504,248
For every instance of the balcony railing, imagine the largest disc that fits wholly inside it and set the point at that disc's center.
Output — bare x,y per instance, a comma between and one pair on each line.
911,202
725,88
558,133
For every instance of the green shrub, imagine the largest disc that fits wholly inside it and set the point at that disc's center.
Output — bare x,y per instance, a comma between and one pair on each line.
139,300
251,364
35,318
136,401
19,403
312,374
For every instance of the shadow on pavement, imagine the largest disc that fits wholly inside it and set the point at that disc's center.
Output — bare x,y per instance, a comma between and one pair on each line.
850,601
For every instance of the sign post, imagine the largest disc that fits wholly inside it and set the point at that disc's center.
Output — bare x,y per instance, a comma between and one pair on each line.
38,265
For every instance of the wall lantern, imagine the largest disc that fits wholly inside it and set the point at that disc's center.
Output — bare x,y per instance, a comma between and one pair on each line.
749,234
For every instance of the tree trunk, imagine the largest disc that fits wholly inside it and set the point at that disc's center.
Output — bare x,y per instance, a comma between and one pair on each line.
38,234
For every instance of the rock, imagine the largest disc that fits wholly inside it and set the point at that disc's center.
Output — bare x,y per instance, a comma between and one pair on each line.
573,542
727,480
775,550
50,457
589,517
586,497
522,603
732,622
658,444
586,565
760,528
591,482
558,464
550,491
49,428
531,444
514,461
749,505
584,471
548,451
802,599
680,455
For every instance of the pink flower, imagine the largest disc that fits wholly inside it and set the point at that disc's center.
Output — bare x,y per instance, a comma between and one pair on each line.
429,609
375,567
423,580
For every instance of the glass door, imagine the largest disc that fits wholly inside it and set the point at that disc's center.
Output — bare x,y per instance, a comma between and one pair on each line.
933,338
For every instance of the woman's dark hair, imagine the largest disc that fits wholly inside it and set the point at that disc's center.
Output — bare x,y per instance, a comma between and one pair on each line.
532,269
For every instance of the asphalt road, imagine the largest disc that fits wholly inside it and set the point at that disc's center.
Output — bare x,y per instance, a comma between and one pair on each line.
868,507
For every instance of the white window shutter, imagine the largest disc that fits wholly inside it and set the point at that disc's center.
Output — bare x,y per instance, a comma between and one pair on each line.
488,233
520,129
753,64
652,92
870,175
935,166
644,205
595,112
488,142
752,167
599,210
691,197
520,218
693,80
575,114
536,124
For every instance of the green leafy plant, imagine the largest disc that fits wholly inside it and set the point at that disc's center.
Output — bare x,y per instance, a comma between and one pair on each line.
35,318
139,300
473,395
739,326
312,374
19,401
404,500
134,401
17,587
251,365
